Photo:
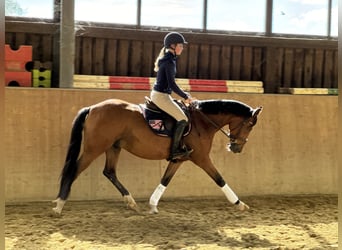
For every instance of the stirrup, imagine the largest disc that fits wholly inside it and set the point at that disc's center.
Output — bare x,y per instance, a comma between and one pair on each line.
180,153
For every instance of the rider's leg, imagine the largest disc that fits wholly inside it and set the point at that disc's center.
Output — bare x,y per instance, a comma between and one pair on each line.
166,103
176,150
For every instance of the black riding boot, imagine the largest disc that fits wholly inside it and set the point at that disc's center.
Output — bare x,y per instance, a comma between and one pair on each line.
177,151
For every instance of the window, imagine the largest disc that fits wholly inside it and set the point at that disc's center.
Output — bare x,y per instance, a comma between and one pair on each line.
233,15
289,17
172,13
334,18
32,8
307,17
106,11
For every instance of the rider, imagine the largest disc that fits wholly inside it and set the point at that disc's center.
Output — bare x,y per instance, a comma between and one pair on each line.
165,66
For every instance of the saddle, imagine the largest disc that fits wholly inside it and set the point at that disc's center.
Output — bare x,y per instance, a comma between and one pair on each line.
161,122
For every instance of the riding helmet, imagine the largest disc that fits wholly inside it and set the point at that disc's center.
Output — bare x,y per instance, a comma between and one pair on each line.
173,38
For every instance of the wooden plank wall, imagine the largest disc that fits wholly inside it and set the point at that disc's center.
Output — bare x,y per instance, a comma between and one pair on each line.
291,150
108,50
303,67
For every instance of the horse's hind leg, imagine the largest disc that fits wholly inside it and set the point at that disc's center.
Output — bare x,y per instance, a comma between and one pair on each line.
112,156
82,163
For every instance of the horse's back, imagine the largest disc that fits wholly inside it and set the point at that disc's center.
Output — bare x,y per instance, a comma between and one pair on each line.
111,103
113,106
111,113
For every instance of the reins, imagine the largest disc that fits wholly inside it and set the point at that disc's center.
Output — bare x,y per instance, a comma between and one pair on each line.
227,134
214,124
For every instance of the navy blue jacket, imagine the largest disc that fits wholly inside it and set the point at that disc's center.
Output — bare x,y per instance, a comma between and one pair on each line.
166,74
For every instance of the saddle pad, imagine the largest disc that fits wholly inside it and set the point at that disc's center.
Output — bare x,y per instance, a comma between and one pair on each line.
160,122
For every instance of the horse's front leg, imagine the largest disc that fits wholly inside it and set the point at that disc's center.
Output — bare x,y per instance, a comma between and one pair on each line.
210,169
158,192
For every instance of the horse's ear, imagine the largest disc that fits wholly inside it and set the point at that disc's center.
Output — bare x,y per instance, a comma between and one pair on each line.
257,111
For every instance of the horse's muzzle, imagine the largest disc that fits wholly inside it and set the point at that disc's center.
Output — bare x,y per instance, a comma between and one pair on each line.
234,147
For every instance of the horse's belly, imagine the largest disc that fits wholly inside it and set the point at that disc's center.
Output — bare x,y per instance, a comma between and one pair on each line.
148,148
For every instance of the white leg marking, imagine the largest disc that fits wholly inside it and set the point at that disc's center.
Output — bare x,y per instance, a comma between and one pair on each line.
155,197
231,196
59,205
128,199
153,210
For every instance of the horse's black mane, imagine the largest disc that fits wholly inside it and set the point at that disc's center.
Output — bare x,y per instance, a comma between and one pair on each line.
224,107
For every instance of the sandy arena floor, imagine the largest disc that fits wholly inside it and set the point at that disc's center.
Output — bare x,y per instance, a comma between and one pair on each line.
285,222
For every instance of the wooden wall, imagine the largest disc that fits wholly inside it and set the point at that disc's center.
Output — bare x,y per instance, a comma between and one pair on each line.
291,150
110,50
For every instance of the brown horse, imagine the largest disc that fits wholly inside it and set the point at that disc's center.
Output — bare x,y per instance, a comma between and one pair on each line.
112,125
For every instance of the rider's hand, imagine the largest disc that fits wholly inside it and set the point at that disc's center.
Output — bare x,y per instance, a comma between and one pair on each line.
190,99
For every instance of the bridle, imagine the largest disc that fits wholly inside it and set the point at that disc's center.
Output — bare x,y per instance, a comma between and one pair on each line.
233,139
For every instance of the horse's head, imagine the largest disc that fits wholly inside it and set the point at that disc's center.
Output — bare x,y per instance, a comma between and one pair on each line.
240,129
240,117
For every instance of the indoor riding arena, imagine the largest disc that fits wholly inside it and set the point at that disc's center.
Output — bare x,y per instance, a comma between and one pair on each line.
286,172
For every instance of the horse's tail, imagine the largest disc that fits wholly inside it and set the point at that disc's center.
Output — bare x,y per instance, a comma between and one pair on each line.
69,171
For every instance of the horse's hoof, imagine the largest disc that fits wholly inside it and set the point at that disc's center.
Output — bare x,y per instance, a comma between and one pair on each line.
59,206
131,204
153,210
57,210
242,206
134,207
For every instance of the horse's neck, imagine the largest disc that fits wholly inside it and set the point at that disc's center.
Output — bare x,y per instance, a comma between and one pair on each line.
214,122
221,119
